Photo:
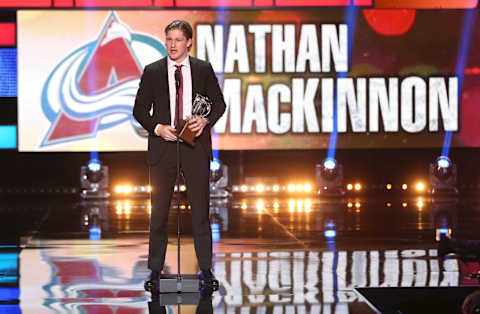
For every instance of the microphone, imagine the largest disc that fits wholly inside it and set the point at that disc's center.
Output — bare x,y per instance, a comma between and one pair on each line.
177,78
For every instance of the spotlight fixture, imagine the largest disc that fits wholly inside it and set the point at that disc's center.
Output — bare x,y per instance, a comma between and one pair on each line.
218,179
329,177
94,180
443,176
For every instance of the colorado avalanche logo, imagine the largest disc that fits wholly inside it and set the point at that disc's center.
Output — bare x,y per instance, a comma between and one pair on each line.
94,87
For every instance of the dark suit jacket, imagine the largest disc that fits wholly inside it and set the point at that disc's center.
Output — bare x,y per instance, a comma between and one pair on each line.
154,90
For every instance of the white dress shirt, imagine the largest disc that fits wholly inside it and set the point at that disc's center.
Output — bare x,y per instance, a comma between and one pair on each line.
187,89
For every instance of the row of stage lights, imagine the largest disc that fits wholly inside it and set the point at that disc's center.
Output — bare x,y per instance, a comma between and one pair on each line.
260,188
328,175
306,188
128,189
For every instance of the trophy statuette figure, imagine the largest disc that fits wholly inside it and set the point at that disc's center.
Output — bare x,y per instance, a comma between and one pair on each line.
201,106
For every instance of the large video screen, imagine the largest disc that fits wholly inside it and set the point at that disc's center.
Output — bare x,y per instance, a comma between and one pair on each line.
292,79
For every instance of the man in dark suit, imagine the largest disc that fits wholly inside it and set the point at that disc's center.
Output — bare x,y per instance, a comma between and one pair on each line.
158,90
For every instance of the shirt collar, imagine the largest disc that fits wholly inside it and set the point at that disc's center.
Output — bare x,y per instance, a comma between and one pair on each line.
185,62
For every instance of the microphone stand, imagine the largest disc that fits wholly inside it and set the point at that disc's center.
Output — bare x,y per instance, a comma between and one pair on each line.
177,180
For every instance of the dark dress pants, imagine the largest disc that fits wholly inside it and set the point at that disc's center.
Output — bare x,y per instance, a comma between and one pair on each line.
195,165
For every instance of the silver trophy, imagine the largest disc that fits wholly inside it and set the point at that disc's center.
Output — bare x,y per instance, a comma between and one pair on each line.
201,106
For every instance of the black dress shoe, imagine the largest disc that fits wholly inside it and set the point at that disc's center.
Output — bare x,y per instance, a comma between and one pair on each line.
207,279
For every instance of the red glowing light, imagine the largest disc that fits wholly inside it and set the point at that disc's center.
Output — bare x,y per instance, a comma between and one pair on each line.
7,34
390,22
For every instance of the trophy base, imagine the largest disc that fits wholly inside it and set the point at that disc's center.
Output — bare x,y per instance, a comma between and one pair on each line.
186,134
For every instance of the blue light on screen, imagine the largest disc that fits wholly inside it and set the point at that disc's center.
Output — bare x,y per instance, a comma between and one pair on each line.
8,271
8,72
9,294
8,136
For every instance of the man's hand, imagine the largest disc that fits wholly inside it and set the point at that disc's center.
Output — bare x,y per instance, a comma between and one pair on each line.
196,124
167,132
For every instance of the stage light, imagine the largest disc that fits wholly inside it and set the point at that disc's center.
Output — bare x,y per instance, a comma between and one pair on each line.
94,175
358,186
215,165
94,165
349,186
127,189
349,205
420,186
307,188
276,188
329,177
443,162
330,234
329,163
291,188
244,206
218,179
149,188
389,186
404,187
358,205
260,188
183,188
244,188
299,188
404,204
215,170
94,180
443,176
118,189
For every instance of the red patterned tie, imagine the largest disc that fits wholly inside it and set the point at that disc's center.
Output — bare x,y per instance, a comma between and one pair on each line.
179,104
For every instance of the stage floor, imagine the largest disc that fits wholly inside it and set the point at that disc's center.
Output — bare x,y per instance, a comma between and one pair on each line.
272,255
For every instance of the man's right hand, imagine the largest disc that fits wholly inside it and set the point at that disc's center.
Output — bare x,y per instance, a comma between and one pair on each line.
167,132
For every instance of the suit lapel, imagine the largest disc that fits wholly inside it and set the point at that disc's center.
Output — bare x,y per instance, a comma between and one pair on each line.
194,73
164,80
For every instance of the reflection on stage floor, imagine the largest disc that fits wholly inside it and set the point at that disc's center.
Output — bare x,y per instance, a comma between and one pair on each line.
271,255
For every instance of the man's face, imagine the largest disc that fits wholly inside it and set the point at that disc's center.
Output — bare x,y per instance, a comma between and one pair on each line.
177,45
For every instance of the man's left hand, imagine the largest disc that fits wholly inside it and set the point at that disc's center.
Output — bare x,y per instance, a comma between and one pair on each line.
196,124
